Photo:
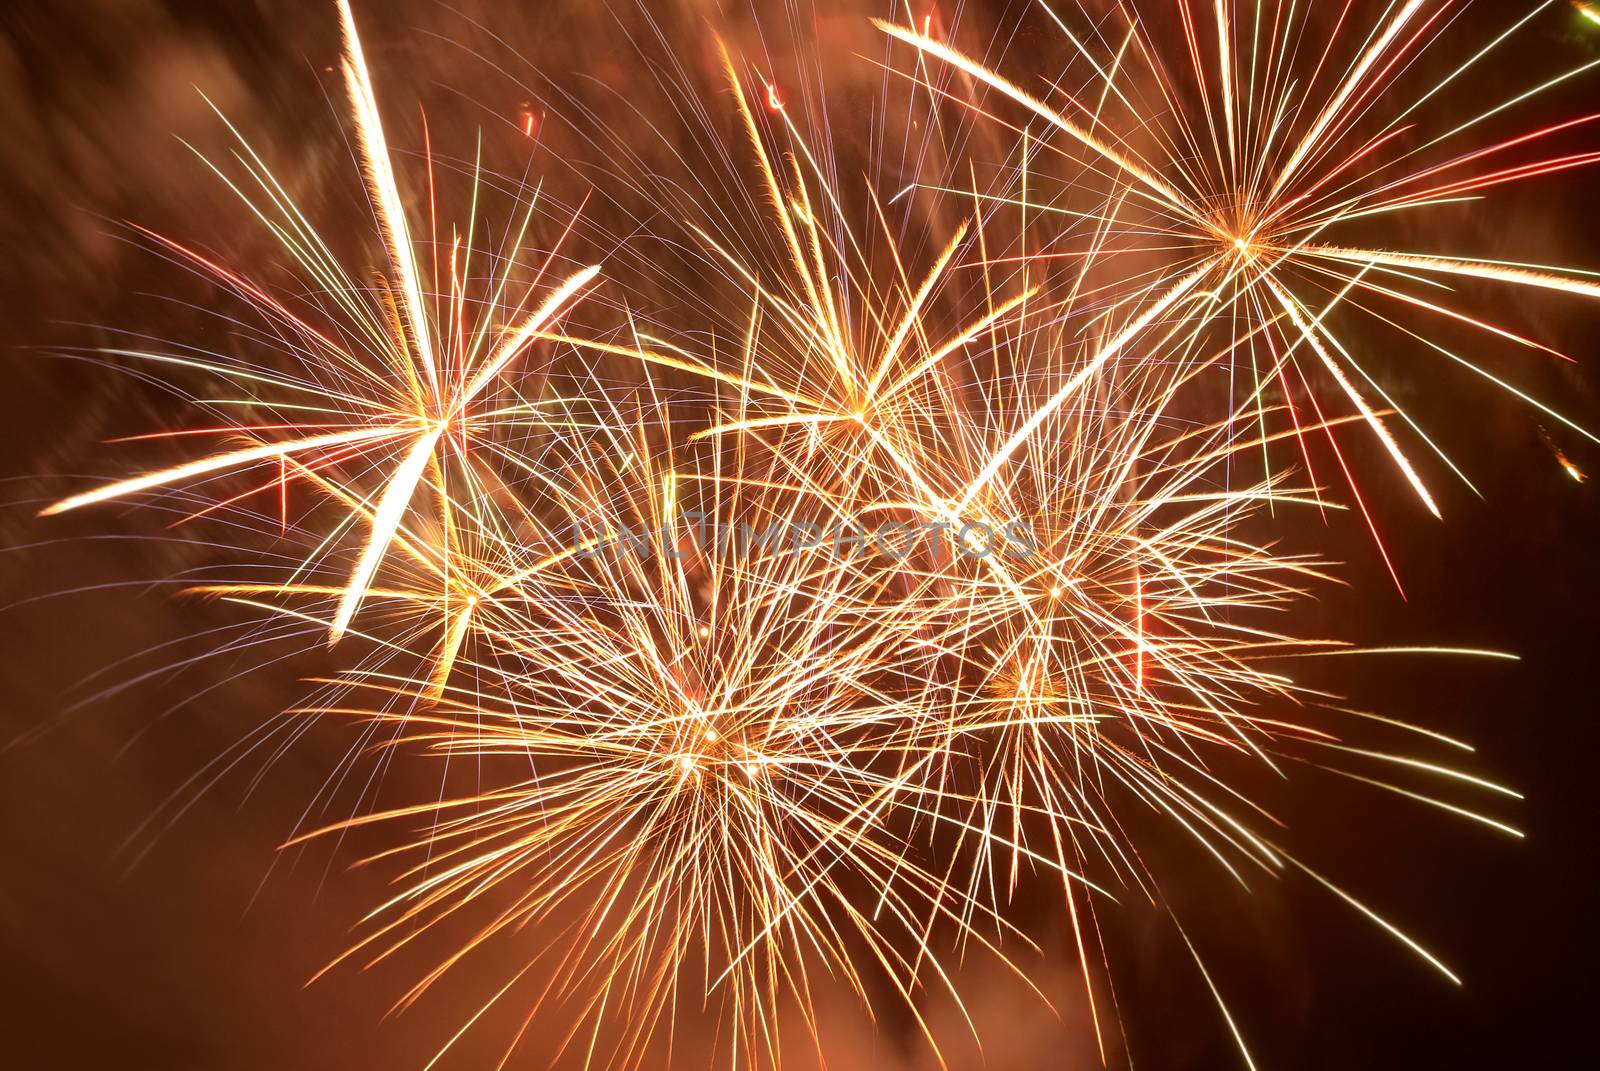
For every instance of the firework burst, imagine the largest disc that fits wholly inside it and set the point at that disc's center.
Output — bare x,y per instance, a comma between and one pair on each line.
1253,152
714,772
391,387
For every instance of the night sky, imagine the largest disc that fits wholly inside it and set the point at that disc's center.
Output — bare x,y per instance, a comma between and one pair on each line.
147,919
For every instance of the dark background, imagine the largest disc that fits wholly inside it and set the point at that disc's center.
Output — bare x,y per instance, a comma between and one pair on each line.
144,921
